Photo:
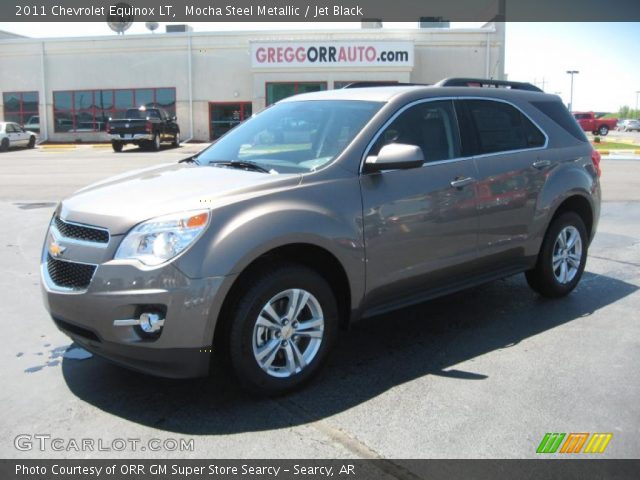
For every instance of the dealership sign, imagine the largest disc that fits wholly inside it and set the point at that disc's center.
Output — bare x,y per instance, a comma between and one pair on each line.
331,54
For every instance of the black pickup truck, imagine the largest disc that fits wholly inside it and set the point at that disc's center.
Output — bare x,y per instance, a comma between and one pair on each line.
145,127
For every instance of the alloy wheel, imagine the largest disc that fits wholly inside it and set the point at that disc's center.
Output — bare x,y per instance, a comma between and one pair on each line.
567,254
288,333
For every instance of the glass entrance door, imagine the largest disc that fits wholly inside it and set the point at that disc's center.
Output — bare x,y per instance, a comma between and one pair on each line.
224,116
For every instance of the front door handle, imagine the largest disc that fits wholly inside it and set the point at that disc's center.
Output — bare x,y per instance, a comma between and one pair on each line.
459,182
541,164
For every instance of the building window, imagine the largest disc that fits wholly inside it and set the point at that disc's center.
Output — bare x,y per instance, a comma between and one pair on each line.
90,110
276,91
224,116
22,108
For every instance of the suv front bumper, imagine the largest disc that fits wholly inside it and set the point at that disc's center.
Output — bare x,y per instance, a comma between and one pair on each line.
124,291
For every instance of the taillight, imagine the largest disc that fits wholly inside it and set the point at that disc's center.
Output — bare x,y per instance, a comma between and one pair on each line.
595,158
148,126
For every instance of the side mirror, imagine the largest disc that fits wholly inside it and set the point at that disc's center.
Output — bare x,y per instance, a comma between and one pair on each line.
395,156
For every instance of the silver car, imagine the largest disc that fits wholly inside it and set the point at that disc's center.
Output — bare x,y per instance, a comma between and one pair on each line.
629,125
324,209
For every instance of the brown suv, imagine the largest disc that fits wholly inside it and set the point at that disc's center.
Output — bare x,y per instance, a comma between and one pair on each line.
325,208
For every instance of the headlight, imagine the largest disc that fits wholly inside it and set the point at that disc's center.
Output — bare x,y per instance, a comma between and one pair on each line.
160,239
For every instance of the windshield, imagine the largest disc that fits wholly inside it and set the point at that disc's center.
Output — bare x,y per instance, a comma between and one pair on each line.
293,137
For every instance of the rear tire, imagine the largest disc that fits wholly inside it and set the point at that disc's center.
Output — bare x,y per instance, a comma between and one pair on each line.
4,145
117,146
155,143
32,142
562,257
176,140
270,353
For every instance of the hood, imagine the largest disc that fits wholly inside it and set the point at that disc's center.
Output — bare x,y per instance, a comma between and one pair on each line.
121,202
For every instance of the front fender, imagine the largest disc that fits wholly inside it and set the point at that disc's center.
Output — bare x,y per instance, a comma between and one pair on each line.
326,214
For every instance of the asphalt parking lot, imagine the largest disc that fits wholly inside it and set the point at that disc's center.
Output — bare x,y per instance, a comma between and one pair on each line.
633,136
480,374
632,139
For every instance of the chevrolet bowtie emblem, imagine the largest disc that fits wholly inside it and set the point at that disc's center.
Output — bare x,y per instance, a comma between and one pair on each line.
55,249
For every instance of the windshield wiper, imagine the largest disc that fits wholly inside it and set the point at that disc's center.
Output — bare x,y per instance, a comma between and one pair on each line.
193,159
243,164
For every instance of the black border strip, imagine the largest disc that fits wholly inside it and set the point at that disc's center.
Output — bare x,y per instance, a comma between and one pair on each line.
576,468
332,10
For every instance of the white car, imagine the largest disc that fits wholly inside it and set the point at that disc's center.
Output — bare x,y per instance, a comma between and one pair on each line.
13,135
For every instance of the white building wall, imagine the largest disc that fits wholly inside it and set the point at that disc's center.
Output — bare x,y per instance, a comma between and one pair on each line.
221,66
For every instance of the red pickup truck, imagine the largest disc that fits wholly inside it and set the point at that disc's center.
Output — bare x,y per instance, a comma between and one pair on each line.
591,122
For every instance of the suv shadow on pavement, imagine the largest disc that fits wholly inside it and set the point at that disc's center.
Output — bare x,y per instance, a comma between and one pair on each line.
376,355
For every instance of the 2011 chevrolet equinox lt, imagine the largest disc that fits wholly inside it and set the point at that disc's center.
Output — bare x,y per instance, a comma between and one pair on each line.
325,208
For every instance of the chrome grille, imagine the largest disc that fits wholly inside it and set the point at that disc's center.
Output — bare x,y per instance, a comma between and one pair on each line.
76,276
81,232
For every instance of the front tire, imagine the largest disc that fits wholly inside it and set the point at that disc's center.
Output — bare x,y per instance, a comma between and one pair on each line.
32,142
562,258
603,130
282,329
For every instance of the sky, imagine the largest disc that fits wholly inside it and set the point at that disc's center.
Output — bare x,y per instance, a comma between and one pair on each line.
605,54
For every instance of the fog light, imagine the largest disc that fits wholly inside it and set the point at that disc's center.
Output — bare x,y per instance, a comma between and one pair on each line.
151,322
148,322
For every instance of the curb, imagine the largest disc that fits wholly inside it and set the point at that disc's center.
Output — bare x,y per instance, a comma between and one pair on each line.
619,152
58,145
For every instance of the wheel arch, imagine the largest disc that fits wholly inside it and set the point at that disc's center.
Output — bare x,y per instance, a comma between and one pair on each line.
571,185
310,255
578,204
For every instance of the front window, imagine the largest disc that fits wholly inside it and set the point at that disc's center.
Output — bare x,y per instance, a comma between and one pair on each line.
430,126
90,110
276,91
293,137
21,108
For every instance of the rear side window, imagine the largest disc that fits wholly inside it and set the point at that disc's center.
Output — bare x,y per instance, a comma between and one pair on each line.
500,127
557,112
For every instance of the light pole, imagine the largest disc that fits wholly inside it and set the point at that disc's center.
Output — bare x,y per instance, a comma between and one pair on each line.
572,73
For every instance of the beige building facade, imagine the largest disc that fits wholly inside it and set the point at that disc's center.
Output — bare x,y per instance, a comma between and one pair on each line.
68,88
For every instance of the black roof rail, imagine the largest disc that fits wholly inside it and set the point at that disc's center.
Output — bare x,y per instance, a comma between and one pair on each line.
484,82
382,83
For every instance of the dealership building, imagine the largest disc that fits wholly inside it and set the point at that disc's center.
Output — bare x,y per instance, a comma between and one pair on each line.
68,88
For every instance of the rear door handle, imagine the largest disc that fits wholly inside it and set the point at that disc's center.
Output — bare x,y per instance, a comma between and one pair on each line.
541,164
462,182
